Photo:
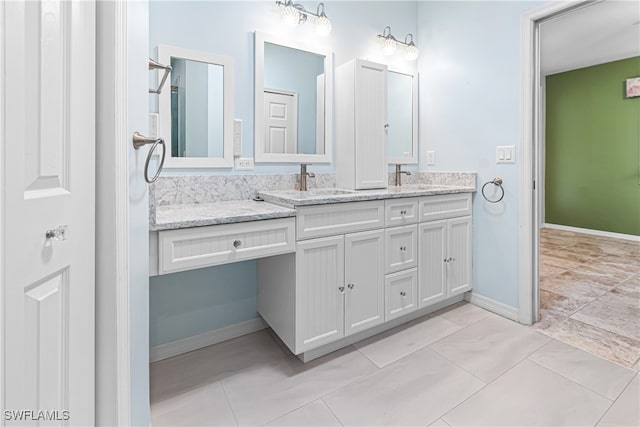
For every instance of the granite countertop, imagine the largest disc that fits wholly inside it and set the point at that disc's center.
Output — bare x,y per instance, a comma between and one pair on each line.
200,214
293,198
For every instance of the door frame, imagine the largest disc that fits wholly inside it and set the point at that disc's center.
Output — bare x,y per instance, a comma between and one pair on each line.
531,149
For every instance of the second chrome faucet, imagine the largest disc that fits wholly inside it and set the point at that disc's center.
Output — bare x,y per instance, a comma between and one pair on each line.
303,176
399,173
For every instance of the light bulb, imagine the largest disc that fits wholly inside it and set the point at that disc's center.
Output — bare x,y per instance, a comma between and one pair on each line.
323,25
389,45
290,15
411,52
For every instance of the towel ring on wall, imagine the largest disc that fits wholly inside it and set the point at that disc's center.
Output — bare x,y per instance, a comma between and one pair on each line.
140,140
497,181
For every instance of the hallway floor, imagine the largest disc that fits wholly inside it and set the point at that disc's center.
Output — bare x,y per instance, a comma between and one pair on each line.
459,366
590,294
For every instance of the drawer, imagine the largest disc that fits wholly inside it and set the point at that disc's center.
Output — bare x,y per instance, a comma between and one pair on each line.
339,218
401,211
197,247
445,206
401,293
401,248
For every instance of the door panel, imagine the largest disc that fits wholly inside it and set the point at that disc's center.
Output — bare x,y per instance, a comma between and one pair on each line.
364,277
432,240
319,298
48,180
459,268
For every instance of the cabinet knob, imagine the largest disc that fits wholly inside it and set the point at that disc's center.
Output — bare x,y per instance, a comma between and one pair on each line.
59,233
403,294
452,259
341,289
446,260
351,286
237,243
403,213
403,248
386,126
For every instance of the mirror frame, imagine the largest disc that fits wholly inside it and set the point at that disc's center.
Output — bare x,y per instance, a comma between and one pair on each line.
413,159
165,53
260,156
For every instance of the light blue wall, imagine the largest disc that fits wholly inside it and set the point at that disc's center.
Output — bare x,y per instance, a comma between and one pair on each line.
202,298
469,104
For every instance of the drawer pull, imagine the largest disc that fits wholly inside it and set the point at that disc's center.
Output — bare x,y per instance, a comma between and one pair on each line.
237,243
403,212
403,294
403,248
351,286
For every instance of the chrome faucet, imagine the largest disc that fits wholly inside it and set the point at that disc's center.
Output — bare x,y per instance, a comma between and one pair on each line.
303,176
399,173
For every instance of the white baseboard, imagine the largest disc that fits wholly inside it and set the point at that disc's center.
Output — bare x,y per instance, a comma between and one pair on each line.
593,232
185,345
493,306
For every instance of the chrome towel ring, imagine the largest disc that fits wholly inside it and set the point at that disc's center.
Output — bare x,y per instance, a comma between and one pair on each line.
497,181
140,140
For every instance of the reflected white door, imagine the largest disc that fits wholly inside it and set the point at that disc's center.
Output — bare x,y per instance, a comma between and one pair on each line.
48,181
280,122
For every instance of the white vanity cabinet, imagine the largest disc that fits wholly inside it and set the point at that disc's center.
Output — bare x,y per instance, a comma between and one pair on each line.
444,248
361,125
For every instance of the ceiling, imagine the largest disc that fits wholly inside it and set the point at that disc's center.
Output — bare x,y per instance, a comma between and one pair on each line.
599,33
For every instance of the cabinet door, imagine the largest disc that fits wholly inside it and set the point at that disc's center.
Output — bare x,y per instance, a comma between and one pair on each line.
401,248
459,252
319,292
432,241
401,293
370,121
364,277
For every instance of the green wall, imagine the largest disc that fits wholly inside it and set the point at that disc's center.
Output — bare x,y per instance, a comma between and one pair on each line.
592,158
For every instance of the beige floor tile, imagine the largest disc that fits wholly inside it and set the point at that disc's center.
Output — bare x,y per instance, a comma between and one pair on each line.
598,274
611,346
566,285
203,406
530,395
465,314
490,347
626,410
629,288
265,392
314,414
613,312
386,348
171,377
414,391
595,373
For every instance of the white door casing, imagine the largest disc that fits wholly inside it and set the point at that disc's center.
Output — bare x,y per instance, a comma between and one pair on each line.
48,181
280,121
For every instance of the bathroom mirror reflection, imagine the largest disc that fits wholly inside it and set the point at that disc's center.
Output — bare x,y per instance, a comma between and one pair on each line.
291,102
402,115
195,112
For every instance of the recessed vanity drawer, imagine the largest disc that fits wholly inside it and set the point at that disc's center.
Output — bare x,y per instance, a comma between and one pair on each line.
401,211
339,218
401,245
401,293
197,247
445,206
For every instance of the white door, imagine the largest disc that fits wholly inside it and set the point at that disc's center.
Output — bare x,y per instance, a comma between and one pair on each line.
48,181
432,249
280,122
319,292
371,119
459,253
364,279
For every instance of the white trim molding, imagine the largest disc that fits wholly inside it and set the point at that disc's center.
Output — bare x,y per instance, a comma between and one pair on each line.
600,233
493,306
529,199
185,345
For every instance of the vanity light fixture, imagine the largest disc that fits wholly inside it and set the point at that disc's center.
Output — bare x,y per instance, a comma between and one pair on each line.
389,44
295,14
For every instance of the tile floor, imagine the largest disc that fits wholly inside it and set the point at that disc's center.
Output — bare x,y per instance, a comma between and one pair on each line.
461,366
590,294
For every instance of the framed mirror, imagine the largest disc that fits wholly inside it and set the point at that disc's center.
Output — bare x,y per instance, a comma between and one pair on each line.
293,99
196,109
402,114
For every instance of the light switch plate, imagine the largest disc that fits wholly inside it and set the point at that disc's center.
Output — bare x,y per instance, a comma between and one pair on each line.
431,158
153,125
237,137
506,154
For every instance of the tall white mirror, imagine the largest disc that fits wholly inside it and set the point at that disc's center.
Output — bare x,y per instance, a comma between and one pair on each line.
293,89
402,115
196,109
